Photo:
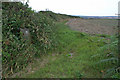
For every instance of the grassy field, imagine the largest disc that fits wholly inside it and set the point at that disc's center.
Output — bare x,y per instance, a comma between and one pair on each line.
73,58
31,49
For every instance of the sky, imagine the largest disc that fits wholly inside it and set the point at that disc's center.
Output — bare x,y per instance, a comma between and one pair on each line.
77,7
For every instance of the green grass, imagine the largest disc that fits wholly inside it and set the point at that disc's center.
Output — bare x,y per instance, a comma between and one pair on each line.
60,64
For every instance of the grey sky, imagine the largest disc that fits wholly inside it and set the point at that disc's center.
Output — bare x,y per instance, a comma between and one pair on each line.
77,7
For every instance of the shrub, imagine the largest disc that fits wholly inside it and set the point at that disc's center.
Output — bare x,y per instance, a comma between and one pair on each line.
109,56
16,51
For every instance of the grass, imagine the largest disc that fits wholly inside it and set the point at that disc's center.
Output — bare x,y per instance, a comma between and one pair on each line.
60,64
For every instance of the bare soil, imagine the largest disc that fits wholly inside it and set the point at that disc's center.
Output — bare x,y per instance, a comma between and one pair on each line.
94,26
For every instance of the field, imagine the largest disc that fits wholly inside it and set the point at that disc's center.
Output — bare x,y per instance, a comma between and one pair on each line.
45,44
94,26
74,57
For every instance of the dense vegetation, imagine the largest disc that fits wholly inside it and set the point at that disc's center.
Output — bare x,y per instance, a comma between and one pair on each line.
79,55
41,25
17,52
57,17
49,34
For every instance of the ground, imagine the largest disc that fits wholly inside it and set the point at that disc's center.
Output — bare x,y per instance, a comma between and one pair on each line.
94,26
74,58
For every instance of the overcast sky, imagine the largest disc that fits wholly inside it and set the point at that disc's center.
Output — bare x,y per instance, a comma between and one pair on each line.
77,7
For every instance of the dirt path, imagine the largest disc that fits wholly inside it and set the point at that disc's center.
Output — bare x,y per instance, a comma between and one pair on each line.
93,26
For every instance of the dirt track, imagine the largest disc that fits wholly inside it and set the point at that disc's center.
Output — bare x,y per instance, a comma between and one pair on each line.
93,26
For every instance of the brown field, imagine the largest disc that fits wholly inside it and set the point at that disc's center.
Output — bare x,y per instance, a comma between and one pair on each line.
94,26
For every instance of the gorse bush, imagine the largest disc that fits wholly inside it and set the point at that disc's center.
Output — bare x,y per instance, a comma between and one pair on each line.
17,52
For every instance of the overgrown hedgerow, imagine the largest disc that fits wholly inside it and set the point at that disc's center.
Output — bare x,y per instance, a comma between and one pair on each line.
16,52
